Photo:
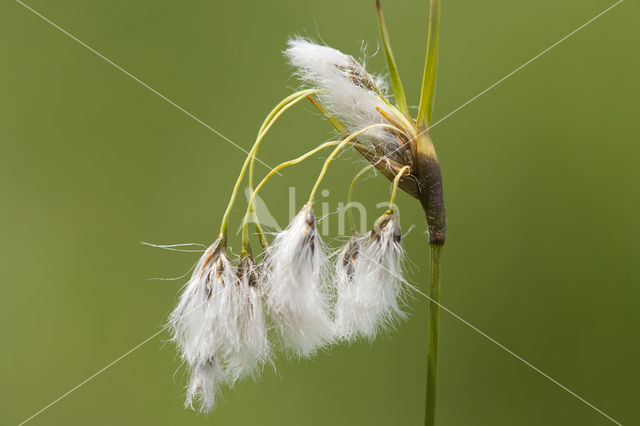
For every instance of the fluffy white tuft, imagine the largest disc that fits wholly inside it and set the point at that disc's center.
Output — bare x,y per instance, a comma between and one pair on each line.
369,290
219,325
204,384
203,324
348,91
346,318
297,296
254,349
194,320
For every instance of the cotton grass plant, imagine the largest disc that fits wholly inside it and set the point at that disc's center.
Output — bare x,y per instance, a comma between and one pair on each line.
294,296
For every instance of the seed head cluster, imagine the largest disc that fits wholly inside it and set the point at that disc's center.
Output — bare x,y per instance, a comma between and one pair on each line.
299,298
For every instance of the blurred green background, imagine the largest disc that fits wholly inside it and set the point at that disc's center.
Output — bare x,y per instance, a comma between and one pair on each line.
541,182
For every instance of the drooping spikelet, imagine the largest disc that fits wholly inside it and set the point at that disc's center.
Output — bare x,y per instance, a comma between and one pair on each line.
254,350
370,297
349,93
204,325
296,290
346,261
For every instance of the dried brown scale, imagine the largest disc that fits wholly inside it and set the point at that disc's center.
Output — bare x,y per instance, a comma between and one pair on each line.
358,75
212,253
350,256
208,290
253,279
247,270
403,152
379,151
219,270
407,152
309,236
382,223
389,168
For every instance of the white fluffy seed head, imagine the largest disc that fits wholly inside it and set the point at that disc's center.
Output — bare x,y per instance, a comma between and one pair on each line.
254,349
346,263
348,92
297,294
370,299
206,325
191,322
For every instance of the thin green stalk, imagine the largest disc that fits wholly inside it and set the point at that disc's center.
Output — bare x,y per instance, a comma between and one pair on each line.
394,191
394,76
427,93
245,222
352,222
404,121
432,334
335,152
335,123
271,118
279,109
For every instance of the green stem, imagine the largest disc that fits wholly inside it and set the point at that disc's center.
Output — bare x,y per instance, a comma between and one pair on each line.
396,181
273,116
249,161
432,334
335,152
250,208
352,222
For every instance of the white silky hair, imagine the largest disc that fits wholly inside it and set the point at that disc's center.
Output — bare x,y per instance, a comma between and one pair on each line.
191,321
203,384
209,326
347,294
347,91
297,295
370,294
254,348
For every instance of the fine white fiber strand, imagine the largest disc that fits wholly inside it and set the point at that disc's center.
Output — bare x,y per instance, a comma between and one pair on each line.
173,278
298,297
347,90
175,247
370,297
